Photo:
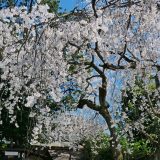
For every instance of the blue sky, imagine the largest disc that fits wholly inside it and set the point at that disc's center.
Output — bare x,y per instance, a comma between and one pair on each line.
67,4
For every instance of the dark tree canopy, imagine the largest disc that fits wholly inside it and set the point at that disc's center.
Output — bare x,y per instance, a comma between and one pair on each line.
53,4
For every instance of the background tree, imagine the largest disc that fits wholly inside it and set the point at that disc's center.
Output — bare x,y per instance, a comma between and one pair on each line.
142,99
68,127
19,133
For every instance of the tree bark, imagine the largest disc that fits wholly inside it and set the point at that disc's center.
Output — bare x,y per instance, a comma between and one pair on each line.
117,154
103,108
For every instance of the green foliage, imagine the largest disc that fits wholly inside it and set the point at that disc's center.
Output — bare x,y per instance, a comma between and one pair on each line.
3,146
72,68
133,105
22,134
53,5
98,149
135,149
140,149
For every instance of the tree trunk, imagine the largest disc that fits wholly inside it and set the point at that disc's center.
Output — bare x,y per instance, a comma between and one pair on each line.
117,154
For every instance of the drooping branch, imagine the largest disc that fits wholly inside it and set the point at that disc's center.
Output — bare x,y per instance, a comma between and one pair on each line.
98,52
122,55
110,3
30,6
94,8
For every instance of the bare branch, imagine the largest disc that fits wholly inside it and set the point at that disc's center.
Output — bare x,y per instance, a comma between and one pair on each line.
89,103
94,8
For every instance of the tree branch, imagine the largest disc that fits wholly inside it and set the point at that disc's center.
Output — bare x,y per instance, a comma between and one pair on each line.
94,8
89,103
